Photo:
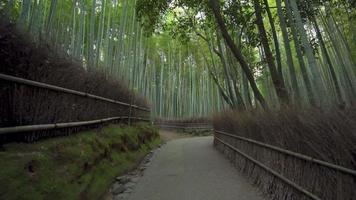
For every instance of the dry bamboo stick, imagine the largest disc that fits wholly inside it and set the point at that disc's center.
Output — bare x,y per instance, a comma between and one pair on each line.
274,173
294,154
65,90
40,127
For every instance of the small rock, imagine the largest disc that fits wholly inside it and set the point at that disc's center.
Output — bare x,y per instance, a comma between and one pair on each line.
123,179
148,160
121,196
118,188
130,185
118,198
128,190
135,179
140,173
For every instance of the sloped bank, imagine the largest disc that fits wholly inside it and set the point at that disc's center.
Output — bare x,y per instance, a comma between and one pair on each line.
20,104
324,135
79,167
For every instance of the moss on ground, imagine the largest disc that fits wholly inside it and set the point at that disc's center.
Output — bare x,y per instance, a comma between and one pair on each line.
81,166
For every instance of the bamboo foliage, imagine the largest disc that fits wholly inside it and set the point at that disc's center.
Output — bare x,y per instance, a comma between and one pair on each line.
105,35
266,53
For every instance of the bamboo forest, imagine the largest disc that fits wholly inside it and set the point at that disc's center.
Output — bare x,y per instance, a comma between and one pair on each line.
191,60
278,73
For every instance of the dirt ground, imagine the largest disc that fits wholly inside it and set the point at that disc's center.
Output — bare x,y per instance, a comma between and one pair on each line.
167,135
192,169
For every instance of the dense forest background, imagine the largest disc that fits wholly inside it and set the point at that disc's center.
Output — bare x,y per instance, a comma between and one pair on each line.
195,57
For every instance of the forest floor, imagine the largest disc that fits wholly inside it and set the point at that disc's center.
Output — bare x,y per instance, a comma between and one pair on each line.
81,166
190,168
168,135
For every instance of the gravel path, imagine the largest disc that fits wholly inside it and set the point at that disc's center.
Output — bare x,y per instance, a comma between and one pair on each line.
191,169
168,135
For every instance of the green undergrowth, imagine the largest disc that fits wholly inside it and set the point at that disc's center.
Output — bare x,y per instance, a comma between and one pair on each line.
81,166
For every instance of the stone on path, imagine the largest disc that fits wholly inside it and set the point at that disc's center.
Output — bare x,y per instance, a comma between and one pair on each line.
118,188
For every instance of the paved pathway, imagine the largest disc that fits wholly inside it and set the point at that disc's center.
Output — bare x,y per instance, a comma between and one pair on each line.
192,169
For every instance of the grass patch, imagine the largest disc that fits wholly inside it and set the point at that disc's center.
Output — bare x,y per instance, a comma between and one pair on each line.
82,166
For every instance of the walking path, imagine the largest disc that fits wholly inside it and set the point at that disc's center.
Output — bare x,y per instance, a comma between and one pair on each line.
192,169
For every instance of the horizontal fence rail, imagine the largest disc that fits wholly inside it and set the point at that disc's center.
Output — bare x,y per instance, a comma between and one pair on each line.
65,90
184,127
42,127
293,154
183,124
271,171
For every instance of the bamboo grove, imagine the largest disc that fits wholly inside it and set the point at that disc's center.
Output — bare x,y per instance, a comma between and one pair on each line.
105,35
195,57
268,53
